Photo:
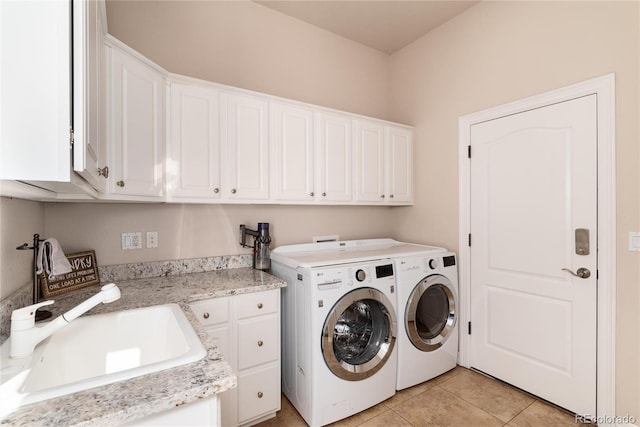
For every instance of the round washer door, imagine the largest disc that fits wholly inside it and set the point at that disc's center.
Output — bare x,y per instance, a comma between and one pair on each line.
359,334
431,313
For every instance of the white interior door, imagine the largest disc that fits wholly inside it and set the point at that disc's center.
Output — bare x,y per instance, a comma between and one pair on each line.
533,184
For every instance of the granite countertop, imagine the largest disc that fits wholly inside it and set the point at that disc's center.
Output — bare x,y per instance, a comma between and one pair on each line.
125,401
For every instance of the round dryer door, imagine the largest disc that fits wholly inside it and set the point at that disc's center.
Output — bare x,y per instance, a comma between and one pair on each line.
359,334
431,313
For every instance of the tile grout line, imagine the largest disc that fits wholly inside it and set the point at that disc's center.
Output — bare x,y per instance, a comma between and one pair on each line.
472,404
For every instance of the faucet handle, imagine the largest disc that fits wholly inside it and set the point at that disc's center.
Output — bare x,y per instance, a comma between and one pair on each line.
25,318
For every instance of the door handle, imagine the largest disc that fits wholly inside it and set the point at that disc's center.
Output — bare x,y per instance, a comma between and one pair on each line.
582,272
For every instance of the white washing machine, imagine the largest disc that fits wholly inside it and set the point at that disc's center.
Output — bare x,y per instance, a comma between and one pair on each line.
339,325
427,291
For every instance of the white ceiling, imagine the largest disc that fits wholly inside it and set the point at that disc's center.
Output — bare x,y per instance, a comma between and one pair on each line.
383,25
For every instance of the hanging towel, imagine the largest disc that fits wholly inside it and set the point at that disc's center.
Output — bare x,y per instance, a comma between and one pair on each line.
51,259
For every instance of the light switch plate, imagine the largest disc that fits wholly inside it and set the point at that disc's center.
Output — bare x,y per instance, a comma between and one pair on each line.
634,241
131,241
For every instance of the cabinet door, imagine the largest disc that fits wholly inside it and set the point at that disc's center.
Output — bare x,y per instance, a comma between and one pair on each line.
89,78
36,96
293,156
334,154
399,164
193,148
370,150
245,146
137,112
221,335
258,393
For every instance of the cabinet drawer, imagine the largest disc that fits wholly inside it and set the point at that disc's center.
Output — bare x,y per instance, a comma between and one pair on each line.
258,341
258,303
211,312
258,393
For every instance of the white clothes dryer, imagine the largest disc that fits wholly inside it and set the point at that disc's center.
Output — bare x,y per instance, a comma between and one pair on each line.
427,316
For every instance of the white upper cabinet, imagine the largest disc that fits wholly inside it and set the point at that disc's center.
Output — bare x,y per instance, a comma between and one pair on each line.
35,143
136,124
244,136
293,156
334,157
399,165
384,163
193,146
370,162
223,144
53,117
312,154
89,84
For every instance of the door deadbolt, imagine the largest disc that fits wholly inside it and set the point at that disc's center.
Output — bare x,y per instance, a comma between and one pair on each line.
582,241
582,272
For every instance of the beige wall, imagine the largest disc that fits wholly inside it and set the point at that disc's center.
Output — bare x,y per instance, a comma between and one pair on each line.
19,221
498,52
241,43
191,231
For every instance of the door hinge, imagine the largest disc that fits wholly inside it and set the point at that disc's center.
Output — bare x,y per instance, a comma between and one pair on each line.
469,239
71,137
469,151
469,327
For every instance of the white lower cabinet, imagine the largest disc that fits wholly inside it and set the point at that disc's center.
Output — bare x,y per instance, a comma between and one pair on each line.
246,329
202,412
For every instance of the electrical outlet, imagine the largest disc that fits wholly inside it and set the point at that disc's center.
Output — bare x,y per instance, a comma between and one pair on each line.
152,239
131,241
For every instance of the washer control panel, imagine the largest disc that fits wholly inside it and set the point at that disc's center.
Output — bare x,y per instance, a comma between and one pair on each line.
364,273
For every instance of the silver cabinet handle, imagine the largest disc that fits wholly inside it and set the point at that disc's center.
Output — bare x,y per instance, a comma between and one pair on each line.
205,315
120,183
311,194
260,305
233,191
582,272
104,172
324,194
260,395
216,190
260,343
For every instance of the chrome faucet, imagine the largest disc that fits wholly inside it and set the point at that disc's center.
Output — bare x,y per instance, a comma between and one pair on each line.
25,336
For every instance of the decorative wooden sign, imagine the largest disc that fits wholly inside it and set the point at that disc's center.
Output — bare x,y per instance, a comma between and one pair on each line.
84,273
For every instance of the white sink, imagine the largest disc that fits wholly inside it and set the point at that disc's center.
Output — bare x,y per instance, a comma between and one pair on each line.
97,350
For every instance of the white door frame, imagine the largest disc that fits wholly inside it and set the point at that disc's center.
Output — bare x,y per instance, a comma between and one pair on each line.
604,88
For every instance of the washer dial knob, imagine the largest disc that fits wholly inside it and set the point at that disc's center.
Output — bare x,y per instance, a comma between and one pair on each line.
433,264
360,275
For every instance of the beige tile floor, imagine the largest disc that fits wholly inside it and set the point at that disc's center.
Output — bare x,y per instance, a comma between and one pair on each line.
460,397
